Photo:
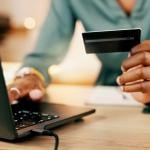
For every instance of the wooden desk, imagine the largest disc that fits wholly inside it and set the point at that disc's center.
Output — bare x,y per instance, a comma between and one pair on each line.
110,128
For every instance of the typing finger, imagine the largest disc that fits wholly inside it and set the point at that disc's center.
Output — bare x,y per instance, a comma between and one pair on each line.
14,93
36,94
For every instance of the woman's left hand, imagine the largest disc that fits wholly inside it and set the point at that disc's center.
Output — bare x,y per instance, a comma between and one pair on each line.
136,72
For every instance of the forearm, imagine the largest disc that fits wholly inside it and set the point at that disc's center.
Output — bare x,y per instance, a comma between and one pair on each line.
53,40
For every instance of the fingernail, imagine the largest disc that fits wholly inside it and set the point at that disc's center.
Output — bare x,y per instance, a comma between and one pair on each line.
36,94
122,69
14,102
118,81
129,54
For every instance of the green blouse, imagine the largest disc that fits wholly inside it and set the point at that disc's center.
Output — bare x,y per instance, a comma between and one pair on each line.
95,15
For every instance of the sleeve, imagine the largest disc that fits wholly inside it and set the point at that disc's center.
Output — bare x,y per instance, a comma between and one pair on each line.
111,68
54,38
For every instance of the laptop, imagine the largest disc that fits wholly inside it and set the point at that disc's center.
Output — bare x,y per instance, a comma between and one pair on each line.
19,120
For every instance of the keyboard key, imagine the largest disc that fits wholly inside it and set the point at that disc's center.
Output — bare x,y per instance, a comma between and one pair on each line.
27,118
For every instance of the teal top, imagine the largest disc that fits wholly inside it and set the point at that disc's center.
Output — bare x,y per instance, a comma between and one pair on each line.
95,15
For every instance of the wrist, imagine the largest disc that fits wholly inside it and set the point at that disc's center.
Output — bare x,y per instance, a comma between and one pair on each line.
25,71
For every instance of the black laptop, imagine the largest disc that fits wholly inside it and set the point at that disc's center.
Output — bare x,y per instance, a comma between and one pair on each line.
19,120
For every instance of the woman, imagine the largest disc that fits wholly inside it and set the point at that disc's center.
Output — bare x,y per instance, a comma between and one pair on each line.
99,15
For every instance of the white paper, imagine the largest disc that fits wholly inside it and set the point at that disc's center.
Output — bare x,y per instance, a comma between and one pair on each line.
110,95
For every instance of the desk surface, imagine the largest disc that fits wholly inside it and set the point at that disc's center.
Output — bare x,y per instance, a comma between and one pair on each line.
110,128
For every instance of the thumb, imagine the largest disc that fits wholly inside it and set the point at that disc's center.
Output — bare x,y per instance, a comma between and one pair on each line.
36,94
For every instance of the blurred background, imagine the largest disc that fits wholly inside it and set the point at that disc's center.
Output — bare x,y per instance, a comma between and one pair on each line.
20,23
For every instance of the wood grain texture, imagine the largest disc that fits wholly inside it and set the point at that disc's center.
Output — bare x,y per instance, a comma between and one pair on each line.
111,128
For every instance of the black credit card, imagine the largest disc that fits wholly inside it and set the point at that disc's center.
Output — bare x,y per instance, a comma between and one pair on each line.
111,41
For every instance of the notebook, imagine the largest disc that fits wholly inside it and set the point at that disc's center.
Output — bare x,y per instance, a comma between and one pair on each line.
110,95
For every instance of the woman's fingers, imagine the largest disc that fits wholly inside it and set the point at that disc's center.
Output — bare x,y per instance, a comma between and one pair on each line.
143,87
144,46
139,55
138,74
14,93
142,58
36,94
29,86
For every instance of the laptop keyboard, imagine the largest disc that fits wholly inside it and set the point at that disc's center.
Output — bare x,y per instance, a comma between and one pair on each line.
27,118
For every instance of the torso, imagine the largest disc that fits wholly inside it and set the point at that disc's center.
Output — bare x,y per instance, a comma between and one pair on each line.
127,5
99,15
